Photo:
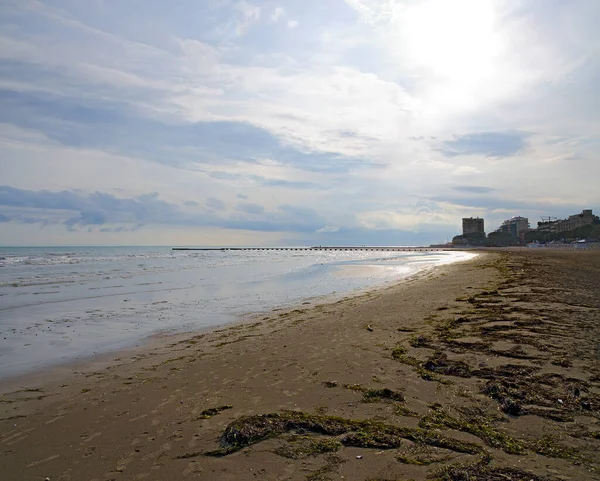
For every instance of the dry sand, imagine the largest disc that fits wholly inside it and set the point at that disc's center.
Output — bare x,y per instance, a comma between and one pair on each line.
487,370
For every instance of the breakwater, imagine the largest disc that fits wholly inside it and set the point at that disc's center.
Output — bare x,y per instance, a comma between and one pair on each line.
316,248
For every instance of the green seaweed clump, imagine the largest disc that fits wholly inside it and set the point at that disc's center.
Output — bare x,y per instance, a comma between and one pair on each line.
480,470
250,430
399,354
419,341
209,413
475,422
374,395
309,447
440,364
547,446
416,460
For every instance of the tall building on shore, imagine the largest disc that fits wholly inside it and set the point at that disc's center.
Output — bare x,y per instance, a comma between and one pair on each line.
515,226
472,225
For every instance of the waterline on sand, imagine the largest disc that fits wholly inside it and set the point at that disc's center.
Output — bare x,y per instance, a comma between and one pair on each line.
60,305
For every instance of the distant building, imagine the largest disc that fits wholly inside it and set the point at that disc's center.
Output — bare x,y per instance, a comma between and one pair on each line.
547,226
472,225
515,226
573,222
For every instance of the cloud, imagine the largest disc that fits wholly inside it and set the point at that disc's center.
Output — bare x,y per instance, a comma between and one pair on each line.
250,208
215,204
489,144
534,205
88,217
250,14
204,81
93,209
119,229
101,125
299,211
289,184
65,200
328,228
237,173
278,13
474,189
405,219
75,209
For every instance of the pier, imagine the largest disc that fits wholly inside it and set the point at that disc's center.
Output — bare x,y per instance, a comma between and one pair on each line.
316,248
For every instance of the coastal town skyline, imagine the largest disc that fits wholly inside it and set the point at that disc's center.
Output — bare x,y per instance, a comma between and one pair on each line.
263,123
517,230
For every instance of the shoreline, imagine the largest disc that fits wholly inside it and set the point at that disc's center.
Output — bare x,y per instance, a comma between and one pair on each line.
409,357
71,324
159,339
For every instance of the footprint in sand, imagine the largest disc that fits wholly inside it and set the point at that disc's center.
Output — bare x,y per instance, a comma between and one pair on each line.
16,437
138,418
156,455
60,415
92,437
35,463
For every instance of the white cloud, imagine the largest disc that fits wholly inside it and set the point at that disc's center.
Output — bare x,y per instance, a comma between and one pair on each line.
292,24
328,229
338,109
409,220
278,14
58,168
250,14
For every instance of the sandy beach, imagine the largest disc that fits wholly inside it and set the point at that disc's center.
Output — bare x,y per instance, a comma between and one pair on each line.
487,369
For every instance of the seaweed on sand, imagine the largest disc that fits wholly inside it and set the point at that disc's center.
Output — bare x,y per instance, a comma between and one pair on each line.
399,353
209,413
473,421
419,341
548,395
481,470
440,364
548,446
249,430
376,395
308,447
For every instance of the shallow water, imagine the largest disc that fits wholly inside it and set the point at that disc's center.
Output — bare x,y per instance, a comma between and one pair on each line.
60,304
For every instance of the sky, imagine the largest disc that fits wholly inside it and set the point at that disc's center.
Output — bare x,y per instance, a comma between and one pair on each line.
246,122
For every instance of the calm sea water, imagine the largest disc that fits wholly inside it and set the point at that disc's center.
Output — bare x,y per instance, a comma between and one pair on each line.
63,303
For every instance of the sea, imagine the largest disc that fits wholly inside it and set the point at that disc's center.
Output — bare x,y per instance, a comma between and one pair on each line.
60,304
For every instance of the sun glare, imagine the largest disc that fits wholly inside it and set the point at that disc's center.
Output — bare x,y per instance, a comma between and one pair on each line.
453,39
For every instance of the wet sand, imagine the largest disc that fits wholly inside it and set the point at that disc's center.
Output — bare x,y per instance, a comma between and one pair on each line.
488,368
